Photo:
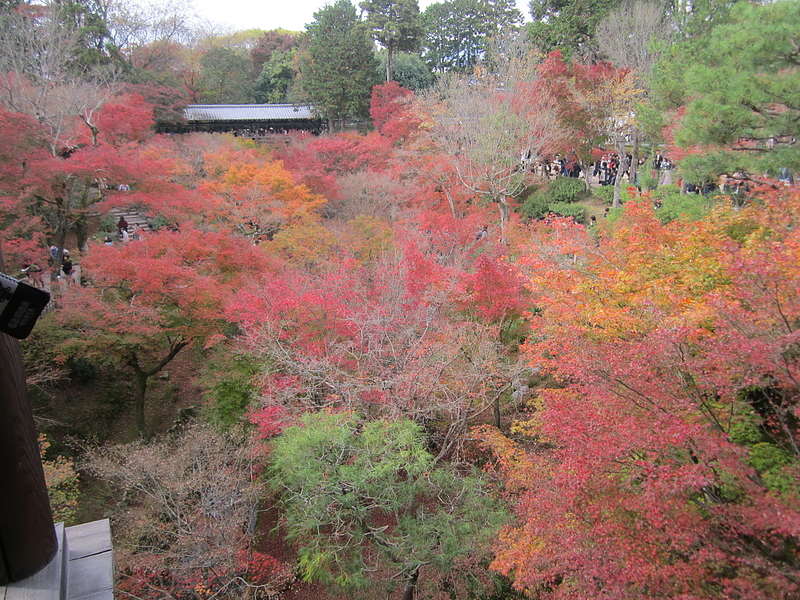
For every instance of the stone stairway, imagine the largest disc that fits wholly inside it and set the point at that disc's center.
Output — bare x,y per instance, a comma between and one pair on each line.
132,216
82,569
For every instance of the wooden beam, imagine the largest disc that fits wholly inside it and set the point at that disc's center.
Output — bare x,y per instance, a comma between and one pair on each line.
27,533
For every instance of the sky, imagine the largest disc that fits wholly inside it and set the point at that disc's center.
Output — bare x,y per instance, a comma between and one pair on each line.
275,14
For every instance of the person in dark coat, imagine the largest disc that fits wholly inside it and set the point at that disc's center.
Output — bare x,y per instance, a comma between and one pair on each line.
67,267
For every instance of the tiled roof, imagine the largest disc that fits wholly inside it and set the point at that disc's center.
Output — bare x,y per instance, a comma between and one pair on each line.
247,112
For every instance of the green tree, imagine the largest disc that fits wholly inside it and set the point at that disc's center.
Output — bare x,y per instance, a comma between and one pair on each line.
395,25
410,71
696,18
366,500
277,76
90,20
277,40
456,32
338,68
743,107
568,25
225,76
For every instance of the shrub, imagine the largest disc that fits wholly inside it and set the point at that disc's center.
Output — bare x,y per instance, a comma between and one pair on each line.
562,190
229,389
535,205
566,190
82,369
604,193
645,179
62,483
107,223
157,223
689,207
567,209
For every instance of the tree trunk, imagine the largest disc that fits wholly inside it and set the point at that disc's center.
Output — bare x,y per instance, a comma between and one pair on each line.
620,171
617,180
450,201
61,240
142,375
587,175
411,585
82,233
389,62
141,390
505,215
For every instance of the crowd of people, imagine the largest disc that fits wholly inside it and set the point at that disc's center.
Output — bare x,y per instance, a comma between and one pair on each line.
35,274
604,169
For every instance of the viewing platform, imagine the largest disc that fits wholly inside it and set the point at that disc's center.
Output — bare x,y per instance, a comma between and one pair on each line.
82,569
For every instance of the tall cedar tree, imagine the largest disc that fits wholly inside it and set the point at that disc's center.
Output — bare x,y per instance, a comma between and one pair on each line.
456,32
395,25
338,67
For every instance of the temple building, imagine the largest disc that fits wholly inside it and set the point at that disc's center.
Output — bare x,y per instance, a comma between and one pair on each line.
246,120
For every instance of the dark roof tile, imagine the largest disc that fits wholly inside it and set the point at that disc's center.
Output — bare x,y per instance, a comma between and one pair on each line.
247,112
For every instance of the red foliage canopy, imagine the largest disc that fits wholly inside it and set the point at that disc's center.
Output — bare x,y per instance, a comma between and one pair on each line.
673,418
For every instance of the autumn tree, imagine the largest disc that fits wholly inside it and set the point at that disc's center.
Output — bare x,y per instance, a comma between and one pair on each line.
395,25
490,125
147,301
276,40
38,79
157,42
416,337
185,516
337,67
24,143
390,110
151,37
673,461
595,104
168,103
258,198
366,504
319,162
